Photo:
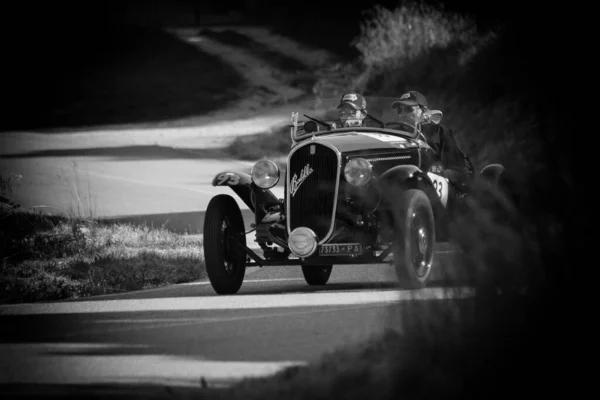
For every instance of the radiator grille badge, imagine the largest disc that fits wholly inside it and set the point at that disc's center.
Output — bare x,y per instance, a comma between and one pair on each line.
297,181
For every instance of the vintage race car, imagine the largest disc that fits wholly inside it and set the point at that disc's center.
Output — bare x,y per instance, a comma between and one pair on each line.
367,194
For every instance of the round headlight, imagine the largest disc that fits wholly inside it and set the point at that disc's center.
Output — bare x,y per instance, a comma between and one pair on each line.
303,242
265,174
358,172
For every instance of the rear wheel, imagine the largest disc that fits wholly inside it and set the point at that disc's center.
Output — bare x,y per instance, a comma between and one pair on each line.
224,224
414,239
316,274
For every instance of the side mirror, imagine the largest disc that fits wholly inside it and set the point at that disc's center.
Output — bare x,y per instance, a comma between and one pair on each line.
434,116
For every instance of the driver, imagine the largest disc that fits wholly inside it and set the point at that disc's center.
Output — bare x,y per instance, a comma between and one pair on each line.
352,109
456,165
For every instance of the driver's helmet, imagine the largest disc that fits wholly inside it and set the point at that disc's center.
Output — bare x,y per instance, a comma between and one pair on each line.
352,109
410,107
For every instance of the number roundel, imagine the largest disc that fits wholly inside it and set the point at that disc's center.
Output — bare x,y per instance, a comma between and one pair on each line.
227,178
440,185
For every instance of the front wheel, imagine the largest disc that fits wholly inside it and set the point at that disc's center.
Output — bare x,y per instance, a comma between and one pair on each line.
316,274
225,264
414,239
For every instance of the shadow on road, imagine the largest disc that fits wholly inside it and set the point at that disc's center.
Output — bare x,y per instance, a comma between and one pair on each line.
277,287
128,153
100,391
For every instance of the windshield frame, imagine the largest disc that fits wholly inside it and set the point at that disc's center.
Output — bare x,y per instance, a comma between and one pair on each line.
327,107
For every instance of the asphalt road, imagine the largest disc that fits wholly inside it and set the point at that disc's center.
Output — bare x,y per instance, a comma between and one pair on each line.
103,179
183,335
180,335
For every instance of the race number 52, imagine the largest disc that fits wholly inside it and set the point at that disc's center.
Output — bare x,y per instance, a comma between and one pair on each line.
440,185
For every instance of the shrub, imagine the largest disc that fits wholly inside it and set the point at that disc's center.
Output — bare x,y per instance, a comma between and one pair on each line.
46,258
392,39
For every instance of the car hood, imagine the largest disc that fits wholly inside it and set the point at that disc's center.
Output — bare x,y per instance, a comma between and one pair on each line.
364,141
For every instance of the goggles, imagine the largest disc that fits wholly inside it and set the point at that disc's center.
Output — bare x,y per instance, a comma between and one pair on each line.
348,111
406,109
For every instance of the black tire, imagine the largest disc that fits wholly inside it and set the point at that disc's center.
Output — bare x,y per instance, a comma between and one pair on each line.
414,239
224,222
316,275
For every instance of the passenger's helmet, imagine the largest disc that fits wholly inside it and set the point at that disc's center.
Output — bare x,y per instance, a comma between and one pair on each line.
352,109
410,107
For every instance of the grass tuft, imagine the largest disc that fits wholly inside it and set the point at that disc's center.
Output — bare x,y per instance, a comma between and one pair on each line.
45,258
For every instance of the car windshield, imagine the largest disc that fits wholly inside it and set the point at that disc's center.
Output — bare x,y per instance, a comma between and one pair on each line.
379,109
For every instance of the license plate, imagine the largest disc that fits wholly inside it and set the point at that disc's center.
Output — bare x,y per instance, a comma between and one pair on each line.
340,249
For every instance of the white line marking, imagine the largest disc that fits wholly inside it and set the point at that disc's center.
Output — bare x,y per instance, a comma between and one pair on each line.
236,302
175,322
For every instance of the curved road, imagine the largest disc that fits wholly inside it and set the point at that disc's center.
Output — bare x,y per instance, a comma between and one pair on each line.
186,336
182,335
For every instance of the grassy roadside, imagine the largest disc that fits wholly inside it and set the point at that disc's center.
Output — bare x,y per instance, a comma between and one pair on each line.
53,258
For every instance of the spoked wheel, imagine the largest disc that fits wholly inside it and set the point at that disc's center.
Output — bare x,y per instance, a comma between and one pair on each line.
224,224
316,274
414,240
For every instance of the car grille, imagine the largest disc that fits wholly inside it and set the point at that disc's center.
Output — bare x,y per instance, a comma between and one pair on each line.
313,204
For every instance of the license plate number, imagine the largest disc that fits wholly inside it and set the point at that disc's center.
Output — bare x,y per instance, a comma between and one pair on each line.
341,249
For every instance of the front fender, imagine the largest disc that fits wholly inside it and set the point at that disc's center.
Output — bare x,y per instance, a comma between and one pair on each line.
241,183
402,173
411,176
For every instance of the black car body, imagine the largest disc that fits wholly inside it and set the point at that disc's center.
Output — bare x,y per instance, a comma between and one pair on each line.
353,195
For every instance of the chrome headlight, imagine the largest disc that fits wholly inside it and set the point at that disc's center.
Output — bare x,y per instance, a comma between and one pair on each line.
265,174
303,242
358,171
